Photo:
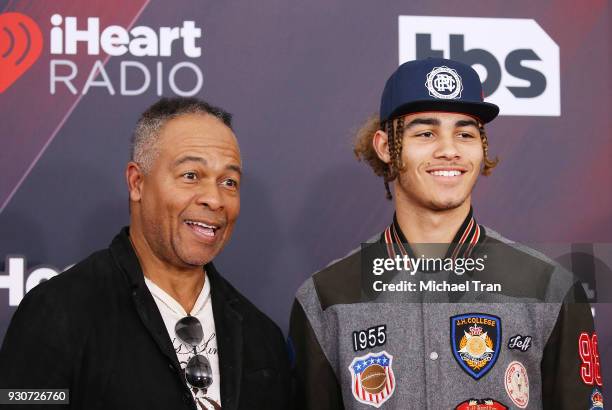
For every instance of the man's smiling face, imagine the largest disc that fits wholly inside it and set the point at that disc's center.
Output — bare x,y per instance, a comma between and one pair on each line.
442,156
190,198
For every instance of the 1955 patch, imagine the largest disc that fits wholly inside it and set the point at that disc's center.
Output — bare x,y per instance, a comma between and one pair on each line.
475,342
516,382
372,378
372,337
483,404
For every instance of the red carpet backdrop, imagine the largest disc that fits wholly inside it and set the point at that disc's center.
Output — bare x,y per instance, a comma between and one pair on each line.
299,77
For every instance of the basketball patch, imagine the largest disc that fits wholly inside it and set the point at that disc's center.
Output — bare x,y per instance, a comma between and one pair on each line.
372,378
475,342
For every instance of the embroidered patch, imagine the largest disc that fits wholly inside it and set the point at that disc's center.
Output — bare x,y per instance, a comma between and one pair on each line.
445,83
517,384
370,338
483,404
475,342
518,342
588,350
372,378
596,400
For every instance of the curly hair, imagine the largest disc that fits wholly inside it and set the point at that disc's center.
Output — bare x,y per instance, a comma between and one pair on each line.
364,149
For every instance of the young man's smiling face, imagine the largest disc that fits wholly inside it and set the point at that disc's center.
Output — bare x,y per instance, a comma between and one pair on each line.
442,156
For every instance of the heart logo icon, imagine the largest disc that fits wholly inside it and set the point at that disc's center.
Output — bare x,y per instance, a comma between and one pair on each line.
20,46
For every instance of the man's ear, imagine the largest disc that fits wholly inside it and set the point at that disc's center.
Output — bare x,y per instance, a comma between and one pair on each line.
134,177
380,142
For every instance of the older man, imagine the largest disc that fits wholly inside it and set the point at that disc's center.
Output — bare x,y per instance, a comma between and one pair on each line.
149,323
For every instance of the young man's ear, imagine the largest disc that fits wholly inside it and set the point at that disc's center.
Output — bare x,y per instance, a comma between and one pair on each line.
134,177
380,142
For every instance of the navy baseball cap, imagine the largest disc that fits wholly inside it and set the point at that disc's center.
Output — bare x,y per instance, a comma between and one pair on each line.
435,84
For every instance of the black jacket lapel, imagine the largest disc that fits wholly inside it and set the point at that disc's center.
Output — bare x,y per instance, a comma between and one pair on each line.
126,259
228,326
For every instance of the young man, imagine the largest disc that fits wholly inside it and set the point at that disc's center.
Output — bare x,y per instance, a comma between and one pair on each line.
360,343
149,323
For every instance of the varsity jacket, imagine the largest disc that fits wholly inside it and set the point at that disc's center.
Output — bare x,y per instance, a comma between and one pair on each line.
529,345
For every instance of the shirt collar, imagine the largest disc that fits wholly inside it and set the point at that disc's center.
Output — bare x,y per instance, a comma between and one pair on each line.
172,304
469,235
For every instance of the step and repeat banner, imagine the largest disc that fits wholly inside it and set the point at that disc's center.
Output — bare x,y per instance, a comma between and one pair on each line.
299,77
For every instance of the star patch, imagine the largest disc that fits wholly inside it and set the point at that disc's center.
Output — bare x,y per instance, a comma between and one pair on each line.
596,400
475,342
372,379
483,404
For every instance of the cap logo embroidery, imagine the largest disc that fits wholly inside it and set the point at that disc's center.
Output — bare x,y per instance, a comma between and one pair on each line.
444,83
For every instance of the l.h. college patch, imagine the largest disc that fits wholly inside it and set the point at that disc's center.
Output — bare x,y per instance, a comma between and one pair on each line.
475,342
372,379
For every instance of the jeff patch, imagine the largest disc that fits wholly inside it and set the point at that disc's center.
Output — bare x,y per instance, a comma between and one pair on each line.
596,402
372,378
483,404
517,384
518,342
475,342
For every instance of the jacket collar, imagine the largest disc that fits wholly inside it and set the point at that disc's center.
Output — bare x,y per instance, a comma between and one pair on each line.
125,257
469,235
226,312
228,326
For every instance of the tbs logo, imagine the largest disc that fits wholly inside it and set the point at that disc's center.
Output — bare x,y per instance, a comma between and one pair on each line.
518,63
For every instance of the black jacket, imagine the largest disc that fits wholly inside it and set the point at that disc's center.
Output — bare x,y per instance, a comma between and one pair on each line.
95,329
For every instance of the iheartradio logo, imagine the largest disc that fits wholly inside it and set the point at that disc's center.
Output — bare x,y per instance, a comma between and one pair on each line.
20,46
21,43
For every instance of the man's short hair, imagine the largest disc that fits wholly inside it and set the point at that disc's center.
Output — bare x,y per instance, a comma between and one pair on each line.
145,137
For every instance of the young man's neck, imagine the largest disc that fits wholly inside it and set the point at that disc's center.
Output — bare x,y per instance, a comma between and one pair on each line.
184,285
421,225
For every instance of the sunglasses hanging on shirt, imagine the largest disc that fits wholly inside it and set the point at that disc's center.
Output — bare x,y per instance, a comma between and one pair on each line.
198,373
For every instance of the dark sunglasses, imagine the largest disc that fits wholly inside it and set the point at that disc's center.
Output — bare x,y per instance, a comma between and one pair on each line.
198,373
